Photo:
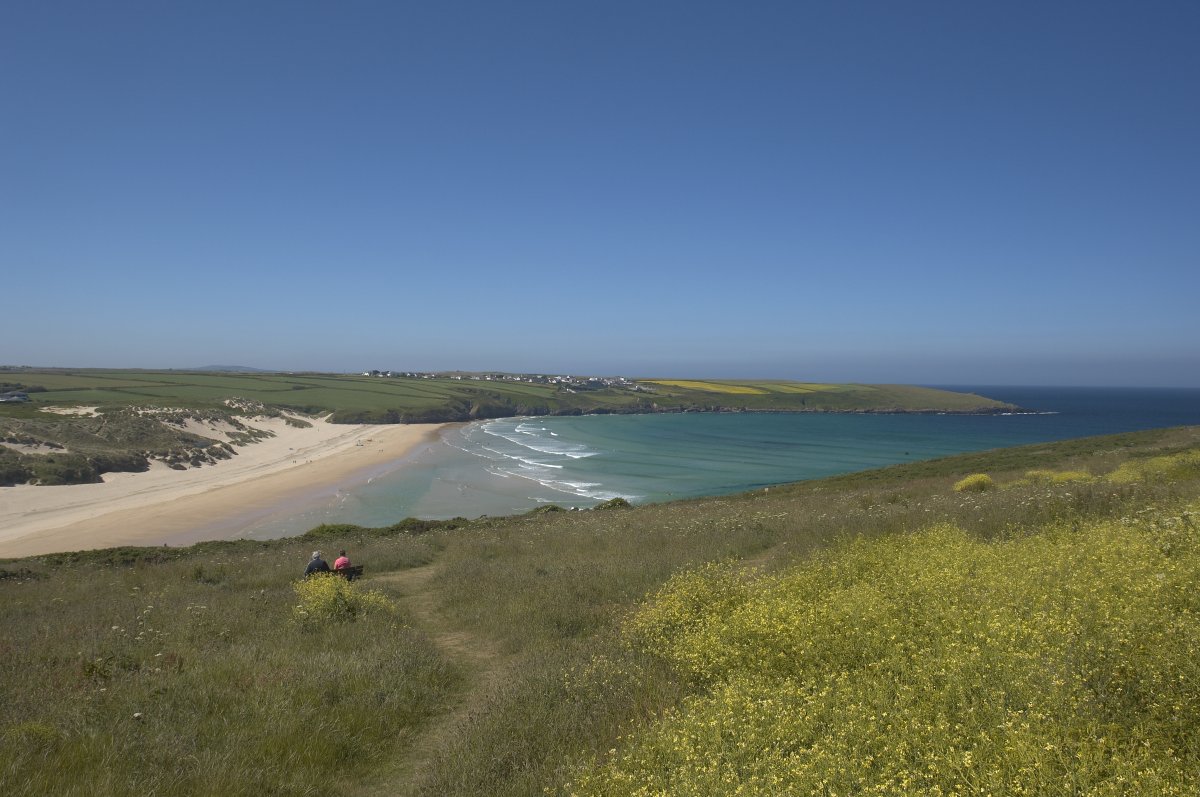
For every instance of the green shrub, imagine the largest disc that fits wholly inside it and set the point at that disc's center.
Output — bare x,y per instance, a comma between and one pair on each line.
57,469
31,737
1170,467
614,503
1041,476
12,470
331,598
1067,476
327,531
975,483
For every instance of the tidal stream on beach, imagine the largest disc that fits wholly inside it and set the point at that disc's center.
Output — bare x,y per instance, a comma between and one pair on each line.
512,465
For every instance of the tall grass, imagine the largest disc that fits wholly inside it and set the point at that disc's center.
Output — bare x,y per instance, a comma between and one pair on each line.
193,678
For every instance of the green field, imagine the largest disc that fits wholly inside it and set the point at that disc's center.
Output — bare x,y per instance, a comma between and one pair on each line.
352,398
887,632
311,393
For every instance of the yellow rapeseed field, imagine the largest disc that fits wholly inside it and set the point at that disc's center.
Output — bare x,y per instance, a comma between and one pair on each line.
709,387
750,388
799,387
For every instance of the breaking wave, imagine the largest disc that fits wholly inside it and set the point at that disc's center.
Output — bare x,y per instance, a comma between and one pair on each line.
523,448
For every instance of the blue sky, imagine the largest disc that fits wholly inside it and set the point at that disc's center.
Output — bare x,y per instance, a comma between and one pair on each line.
988,193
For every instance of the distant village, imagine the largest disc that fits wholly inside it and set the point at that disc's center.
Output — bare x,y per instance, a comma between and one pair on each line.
566,382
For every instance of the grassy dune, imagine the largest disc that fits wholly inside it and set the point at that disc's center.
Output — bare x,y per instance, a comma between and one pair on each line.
875,633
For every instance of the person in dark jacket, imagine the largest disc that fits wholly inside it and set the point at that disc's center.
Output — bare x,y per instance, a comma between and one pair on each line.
316,565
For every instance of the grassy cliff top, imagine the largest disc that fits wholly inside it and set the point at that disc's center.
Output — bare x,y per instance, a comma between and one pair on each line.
1024,616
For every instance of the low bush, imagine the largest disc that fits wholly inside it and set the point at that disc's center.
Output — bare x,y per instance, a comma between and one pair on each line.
1058,476
331,598
1170,467
975,483
613,503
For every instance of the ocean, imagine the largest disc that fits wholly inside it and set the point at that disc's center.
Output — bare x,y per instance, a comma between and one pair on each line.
512,465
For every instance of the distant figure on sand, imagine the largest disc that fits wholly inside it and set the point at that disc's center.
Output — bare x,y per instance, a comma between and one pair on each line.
342,562
316,565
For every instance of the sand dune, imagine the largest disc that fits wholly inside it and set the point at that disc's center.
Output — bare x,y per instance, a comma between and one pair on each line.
165,506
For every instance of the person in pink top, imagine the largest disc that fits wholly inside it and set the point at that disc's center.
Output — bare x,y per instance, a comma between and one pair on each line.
341,562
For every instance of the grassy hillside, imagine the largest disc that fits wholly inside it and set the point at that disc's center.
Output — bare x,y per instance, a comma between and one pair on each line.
815,397
881,632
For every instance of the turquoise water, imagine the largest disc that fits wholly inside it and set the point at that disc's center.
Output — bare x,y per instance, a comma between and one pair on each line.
511,465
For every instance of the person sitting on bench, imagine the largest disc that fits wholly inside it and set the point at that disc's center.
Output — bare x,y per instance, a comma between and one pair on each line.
316,565
342,562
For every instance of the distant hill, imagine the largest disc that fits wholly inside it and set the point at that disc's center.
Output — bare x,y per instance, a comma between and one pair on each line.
233,369
385,397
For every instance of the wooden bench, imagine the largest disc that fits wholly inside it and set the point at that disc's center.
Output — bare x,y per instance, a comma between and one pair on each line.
349,573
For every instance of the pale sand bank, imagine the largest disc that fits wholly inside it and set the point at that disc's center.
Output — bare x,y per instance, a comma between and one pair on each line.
165,506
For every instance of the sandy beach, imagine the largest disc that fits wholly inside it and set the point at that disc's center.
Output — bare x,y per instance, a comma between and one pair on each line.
171,507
